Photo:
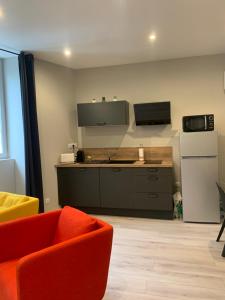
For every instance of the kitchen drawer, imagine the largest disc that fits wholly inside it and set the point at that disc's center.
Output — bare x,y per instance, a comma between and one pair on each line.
152,182
167,172
153,201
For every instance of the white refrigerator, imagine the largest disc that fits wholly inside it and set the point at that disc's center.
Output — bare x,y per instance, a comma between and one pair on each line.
199,174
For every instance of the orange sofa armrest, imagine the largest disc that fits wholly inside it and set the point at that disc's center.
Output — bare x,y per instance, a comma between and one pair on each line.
26,235
75,269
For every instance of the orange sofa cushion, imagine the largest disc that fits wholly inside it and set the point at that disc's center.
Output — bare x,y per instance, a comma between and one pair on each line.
72,223
8,288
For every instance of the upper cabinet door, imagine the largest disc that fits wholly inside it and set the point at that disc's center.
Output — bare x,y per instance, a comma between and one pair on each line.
116,113
103,113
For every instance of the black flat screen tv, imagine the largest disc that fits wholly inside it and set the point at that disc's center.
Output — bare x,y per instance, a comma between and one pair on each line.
155,113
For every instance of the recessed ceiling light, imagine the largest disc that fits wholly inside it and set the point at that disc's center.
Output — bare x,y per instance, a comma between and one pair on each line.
152,37
1,13
67,52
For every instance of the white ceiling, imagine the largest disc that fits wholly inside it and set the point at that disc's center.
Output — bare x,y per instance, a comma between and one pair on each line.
113,32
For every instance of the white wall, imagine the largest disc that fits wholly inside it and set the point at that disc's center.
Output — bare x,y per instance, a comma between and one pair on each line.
55,91
7,175
193,85
14,118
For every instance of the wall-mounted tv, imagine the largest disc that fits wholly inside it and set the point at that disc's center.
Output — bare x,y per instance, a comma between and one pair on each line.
155,113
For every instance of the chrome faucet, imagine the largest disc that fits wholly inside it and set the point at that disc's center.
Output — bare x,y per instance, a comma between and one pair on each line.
110,154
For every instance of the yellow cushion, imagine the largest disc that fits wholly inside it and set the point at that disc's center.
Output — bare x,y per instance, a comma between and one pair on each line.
9,199
3,195
13,206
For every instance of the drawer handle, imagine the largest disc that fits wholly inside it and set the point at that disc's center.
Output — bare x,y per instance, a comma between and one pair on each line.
152,170
153,178
83,169
101,123
153,195
116,169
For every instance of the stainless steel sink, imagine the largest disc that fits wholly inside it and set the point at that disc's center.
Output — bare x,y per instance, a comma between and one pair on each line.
95,162
153,162
110,161
121,161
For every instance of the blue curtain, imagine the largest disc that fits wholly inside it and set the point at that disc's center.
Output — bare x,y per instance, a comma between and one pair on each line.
33,172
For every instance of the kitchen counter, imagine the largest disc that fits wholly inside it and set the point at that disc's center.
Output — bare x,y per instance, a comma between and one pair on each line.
113,181
137,164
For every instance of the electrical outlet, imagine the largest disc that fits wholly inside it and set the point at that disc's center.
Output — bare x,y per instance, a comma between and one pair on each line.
72,145
47,200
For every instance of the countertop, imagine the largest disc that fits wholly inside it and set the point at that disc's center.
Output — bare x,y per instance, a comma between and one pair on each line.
137,164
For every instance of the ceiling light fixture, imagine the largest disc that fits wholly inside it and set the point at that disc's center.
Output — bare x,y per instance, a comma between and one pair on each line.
67,52
1,13
152,37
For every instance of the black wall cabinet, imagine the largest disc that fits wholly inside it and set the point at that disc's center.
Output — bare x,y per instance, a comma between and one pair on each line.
103,113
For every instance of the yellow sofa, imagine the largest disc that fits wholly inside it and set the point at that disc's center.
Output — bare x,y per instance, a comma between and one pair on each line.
13,206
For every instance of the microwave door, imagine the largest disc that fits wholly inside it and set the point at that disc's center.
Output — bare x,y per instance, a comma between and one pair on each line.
197,124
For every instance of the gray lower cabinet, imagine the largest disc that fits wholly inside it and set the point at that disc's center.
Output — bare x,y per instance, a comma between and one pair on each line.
153,180
78,187
153,189
119,189
116,188
152,201
136,188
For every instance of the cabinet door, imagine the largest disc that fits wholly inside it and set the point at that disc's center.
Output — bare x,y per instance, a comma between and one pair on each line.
116,187
200,194
103,113
153,201
116,113
79,187
90,114
153,180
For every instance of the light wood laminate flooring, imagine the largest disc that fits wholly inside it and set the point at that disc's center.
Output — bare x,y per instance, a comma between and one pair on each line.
159,260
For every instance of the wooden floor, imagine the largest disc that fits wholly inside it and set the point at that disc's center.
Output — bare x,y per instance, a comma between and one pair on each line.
163,260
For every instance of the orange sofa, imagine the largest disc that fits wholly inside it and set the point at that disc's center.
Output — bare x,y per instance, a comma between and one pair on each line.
59,255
